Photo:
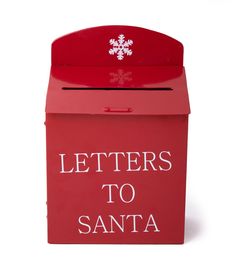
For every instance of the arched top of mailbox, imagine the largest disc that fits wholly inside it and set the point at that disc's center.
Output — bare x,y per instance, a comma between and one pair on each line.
117,46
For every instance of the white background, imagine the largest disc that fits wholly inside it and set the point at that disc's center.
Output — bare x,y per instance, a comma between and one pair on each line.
206,28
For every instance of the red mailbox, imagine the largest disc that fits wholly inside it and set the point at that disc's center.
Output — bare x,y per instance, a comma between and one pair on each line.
116,127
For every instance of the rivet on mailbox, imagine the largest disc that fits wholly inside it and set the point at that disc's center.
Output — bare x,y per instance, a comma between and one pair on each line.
116,128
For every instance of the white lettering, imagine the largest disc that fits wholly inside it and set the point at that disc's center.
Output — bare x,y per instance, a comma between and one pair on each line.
134,216
145,160
135,223
116,159
151,223
63,166
121,161
165,160
110,191
80,162
99,160
132,193
133,161
84,224
121,227
100,224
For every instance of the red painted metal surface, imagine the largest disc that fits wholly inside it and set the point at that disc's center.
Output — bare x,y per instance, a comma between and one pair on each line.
90,47
116,124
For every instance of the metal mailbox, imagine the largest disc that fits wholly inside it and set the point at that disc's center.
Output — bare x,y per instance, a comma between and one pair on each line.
116,129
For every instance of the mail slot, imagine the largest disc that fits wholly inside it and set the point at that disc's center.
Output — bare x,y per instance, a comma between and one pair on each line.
116,131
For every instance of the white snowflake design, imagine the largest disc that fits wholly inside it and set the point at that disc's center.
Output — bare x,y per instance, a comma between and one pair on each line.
120,77
120,47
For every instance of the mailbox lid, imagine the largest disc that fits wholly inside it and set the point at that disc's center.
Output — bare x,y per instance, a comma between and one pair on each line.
107,90
122,69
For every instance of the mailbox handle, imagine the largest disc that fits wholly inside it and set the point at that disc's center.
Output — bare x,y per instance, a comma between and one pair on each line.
117,109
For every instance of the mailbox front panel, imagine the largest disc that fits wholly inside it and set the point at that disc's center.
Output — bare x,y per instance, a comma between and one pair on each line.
116,179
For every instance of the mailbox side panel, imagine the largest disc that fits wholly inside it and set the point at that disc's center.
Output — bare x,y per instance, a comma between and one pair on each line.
116,178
